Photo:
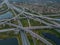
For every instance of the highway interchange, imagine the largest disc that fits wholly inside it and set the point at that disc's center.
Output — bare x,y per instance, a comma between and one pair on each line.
40,18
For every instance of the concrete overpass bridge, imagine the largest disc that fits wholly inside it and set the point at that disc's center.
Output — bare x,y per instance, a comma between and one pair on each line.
19,28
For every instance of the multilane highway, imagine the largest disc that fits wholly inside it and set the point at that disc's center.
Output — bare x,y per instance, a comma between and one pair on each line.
40,18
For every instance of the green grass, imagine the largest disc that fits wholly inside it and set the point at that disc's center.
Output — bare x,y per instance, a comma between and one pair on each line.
51,31
36,23
24,22
4,7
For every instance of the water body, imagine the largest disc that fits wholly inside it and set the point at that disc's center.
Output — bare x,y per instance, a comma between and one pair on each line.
10,41
1,1
52,37
7,15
